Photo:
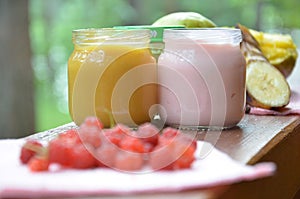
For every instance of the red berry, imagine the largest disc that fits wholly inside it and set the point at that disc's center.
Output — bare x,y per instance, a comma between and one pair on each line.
127,161
29,149
186,159
81,157
161,158
60,151
132,144
93,121
170,134
119,147
61,147
188,140
112,137
175,151
71,134
90,135
106,155
148,133
68,152
38,163
116,134
183,152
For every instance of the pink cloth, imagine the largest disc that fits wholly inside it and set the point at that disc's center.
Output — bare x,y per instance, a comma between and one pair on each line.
211,169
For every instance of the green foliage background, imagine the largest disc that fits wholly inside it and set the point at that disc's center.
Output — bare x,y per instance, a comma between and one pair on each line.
52,22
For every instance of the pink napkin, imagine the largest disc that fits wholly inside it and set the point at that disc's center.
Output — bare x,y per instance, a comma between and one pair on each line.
211,169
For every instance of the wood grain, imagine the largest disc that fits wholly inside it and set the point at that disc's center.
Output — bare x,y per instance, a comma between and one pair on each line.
284,151
253,137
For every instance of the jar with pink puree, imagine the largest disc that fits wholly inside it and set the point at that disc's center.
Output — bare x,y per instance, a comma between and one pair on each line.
201,76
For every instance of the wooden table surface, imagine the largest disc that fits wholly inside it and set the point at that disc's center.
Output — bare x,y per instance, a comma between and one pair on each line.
265,138
256,139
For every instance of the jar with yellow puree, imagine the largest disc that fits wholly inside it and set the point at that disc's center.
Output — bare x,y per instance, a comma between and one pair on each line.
112,75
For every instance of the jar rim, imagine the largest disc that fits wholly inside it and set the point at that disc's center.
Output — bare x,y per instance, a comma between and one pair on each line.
156,31
100,35
205,35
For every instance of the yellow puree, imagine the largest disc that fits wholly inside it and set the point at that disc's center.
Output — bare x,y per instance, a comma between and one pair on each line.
93,73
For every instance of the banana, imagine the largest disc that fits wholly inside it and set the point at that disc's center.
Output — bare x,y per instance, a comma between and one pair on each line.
279,49
188,19
266,86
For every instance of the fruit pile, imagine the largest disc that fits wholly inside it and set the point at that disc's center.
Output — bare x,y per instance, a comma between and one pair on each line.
119,148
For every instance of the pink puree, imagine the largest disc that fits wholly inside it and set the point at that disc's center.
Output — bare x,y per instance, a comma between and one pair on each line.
202,84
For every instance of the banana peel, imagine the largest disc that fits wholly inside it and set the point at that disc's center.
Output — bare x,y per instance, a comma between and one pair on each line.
266,86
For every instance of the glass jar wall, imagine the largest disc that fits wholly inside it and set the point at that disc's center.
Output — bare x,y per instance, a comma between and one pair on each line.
112,75
201,74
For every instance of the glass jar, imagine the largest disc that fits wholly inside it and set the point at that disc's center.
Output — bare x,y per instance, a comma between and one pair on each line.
202,75
112,75
156,41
